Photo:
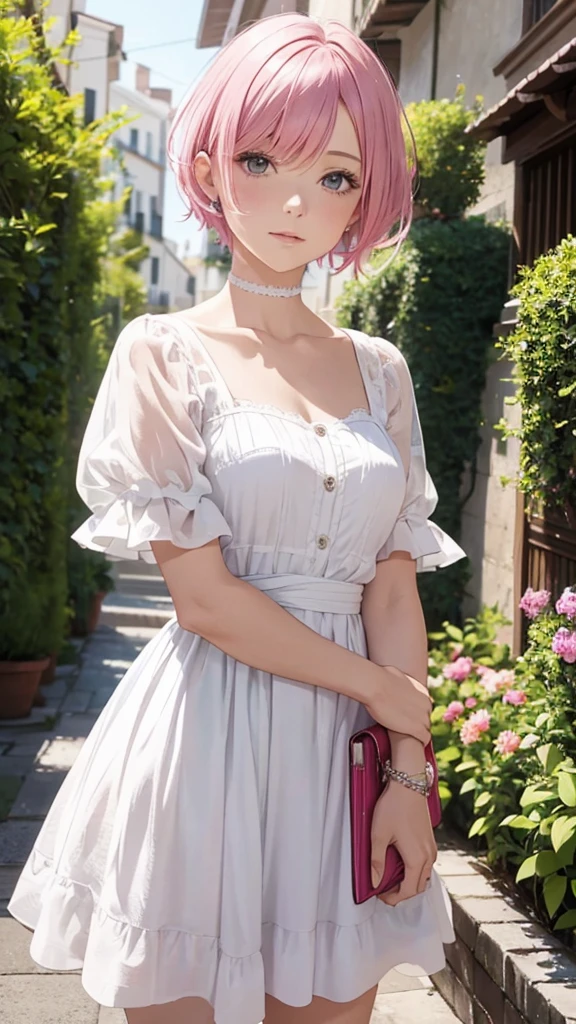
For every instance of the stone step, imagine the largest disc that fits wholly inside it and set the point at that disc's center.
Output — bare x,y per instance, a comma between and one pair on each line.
120,616
135,567
151,612
138,584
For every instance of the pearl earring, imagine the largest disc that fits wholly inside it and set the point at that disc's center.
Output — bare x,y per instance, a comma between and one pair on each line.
215,205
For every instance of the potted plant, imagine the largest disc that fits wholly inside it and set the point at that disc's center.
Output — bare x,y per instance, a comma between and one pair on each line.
89,580
23,647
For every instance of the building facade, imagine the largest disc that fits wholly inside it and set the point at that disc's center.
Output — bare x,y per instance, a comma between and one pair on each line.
94,77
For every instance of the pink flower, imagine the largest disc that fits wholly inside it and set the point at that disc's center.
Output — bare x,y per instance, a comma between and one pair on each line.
481,719
469,733
566,604
459,670
514,697
564,644
458,648
470,702
534,601
506,677
453,711
493,681
507,742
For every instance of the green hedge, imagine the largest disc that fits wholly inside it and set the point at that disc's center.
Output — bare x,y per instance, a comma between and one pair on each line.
543,349
52,240
438,301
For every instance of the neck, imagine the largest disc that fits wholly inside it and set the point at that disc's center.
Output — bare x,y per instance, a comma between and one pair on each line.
262,312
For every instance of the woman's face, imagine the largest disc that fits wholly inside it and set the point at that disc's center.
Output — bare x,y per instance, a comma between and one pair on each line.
292,215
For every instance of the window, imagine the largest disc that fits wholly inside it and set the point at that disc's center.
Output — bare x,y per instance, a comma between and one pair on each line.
155,218
89,105
149,144
162,148
138,200
134,138
128,205
549,209
155,270
534,11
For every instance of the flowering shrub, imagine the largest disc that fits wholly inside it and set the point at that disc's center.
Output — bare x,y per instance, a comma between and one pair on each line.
505,741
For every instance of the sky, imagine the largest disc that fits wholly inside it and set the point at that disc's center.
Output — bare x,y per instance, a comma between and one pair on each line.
163,36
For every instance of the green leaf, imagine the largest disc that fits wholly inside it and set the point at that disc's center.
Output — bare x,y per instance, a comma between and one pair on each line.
454,633
566,920
546,863
542,719
533,795
521,821
549,756
564,392
567,788
465,765
449,754
44,228
546,825
507,819
444,792
467,786
527,868
482,800
529,740
554,891
562,831
475,828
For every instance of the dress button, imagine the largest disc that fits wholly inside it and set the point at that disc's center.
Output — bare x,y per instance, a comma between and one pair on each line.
329,483
322,541
320,429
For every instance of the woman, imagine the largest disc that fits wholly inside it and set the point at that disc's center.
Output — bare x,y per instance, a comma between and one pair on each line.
196,860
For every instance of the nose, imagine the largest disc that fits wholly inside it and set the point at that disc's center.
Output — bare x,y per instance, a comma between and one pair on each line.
294,205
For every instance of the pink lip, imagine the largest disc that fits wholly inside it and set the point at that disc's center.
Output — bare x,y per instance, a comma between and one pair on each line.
286,236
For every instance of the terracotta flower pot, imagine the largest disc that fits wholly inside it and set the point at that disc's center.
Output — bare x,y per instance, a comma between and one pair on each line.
95,609
82,627
19,681
49,672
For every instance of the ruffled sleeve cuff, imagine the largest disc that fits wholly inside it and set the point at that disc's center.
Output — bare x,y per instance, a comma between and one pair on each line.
146,513
429,545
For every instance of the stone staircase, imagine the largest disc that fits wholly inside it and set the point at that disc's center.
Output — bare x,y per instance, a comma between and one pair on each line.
141,597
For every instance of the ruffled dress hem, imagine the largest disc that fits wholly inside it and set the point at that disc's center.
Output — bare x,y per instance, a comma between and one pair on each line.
127,966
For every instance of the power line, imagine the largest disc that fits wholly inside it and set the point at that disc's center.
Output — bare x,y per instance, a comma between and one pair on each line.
138,49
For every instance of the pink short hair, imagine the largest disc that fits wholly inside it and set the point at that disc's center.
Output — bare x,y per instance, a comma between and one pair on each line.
276,86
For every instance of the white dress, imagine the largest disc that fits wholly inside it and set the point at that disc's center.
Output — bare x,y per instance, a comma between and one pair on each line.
200,843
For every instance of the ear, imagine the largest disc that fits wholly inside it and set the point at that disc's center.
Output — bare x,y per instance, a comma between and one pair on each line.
203,172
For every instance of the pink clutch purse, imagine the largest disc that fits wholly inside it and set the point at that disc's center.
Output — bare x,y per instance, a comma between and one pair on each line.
369,750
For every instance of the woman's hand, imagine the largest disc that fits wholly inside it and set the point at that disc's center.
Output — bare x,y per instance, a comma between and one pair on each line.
402,704
401,817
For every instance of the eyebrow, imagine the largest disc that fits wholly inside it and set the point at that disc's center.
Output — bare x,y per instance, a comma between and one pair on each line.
336,152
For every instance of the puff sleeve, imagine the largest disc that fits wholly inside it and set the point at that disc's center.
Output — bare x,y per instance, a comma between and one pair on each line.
413,531
142,455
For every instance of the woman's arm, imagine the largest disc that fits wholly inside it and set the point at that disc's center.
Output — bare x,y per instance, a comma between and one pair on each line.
396,635
252,628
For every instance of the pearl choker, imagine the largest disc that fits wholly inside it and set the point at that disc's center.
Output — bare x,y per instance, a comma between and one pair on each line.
269,290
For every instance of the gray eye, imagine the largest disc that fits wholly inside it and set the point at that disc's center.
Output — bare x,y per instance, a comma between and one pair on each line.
257,164
334,181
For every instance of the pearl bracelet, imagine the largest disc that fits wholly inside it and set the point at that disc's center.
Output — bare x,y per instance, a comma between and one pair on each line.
421,782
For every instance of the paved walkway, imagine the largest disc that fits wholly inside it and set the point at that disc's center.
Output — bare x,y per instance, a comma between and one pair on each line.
41,749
